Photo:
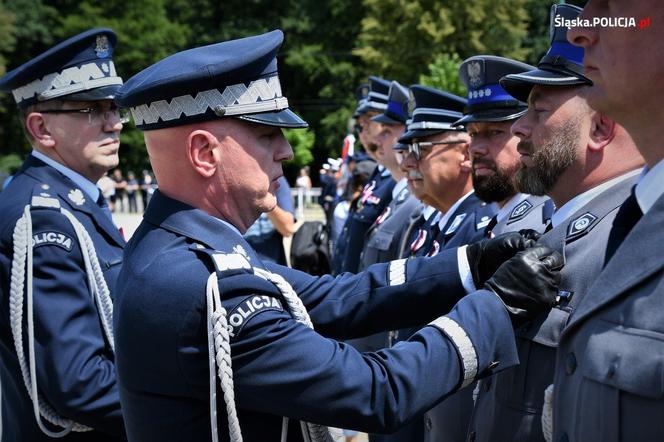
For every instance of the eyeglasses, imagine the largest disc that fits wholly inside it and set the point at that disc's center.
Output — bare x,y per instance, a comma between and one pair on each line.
358,128
95,114
419,149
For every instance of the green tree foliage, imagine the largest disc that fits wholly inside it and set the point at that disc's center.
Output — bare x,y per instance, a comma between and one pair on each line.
7,39
301,140
330,48
444,75
400,37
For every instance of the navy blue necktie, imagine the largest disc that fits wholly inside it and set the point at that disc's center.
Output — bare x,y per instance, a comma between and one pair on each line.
103,205
628,215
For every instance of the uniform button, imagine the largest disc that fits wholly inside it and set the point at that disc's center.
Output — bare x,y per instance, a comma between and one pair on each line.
563,438
570,364
486,383
471,436
427,423
612,370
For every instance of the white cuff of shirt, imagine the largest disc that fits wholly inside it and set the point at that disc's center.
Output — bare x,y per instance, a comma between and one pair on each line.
464,270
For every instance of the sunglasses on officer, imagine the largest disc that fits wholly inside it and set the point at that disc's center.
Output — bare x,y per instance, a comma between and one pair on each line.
422,148
96,114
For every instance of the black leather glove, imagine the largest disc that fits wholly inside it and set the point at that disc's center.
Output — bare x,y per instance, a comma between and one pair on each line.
486,256
528,283
530,234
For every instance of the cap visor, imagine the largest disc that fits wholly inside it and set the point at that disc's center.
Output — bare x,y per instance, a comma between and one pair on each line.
382,118
519,85
490,116
284,118
408,136
100,93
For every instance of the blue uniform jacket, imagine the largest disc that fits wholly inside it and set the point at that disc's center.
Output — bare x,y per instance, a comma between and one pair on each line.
376,195
281,367
465,226
75,365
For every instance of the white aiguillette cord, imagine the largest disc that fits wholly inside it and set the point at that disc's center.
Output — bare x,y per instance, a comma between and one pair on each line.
220,357
22,262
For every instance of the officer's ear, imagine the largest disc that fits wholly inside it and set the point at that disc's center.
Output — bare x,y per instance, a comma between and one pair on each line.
464,149
37,130
602,131
203,152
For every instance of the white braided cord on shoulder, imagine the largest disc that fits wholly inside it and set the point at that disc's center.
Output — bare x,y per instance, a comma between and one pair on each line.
220,356
317,433
22,262
547,414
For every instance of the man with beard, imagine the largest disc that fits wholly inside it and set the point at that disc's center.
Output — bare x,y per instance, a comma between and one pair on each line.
608,383
377,193
60,252
587,164
488,118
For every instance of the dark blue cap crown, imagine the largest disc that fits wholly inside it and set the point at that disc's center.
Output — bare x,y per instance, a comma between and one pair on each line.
397,106
435,111
561,66
487,100
78,69
376,100
236,78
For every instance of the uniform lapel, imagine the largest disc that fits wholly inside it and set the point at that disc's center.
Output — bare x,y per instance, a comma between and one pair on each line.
92,210
637,258
74,198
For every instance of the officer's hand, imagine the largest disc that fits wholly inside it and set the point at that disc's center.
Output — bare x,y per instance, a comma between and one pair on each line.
486,256
528,283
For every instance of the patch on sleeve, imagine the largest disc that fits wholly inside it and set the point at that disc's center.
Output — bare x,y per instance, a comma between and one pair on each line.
249,308
52,239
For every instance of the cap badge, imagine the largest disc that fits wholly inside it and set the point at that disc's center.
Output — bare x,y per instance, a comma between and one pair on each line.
474,74
102,47
411,102
77,197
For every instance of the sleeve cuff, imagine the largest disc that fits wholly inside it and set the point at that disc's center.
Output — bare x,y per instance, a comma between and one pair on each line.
464,271
464,345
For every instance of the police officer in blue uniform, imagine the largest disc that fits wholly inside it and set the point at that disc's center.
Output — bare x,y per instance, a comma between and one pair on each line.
488,118
60,252
588,188
384,235
376,195
212,342
609,362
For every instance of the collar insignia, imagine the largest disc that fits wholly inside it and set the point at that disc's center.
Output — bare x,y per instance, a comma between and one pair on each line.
77,197
520,210
455,224
580,225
